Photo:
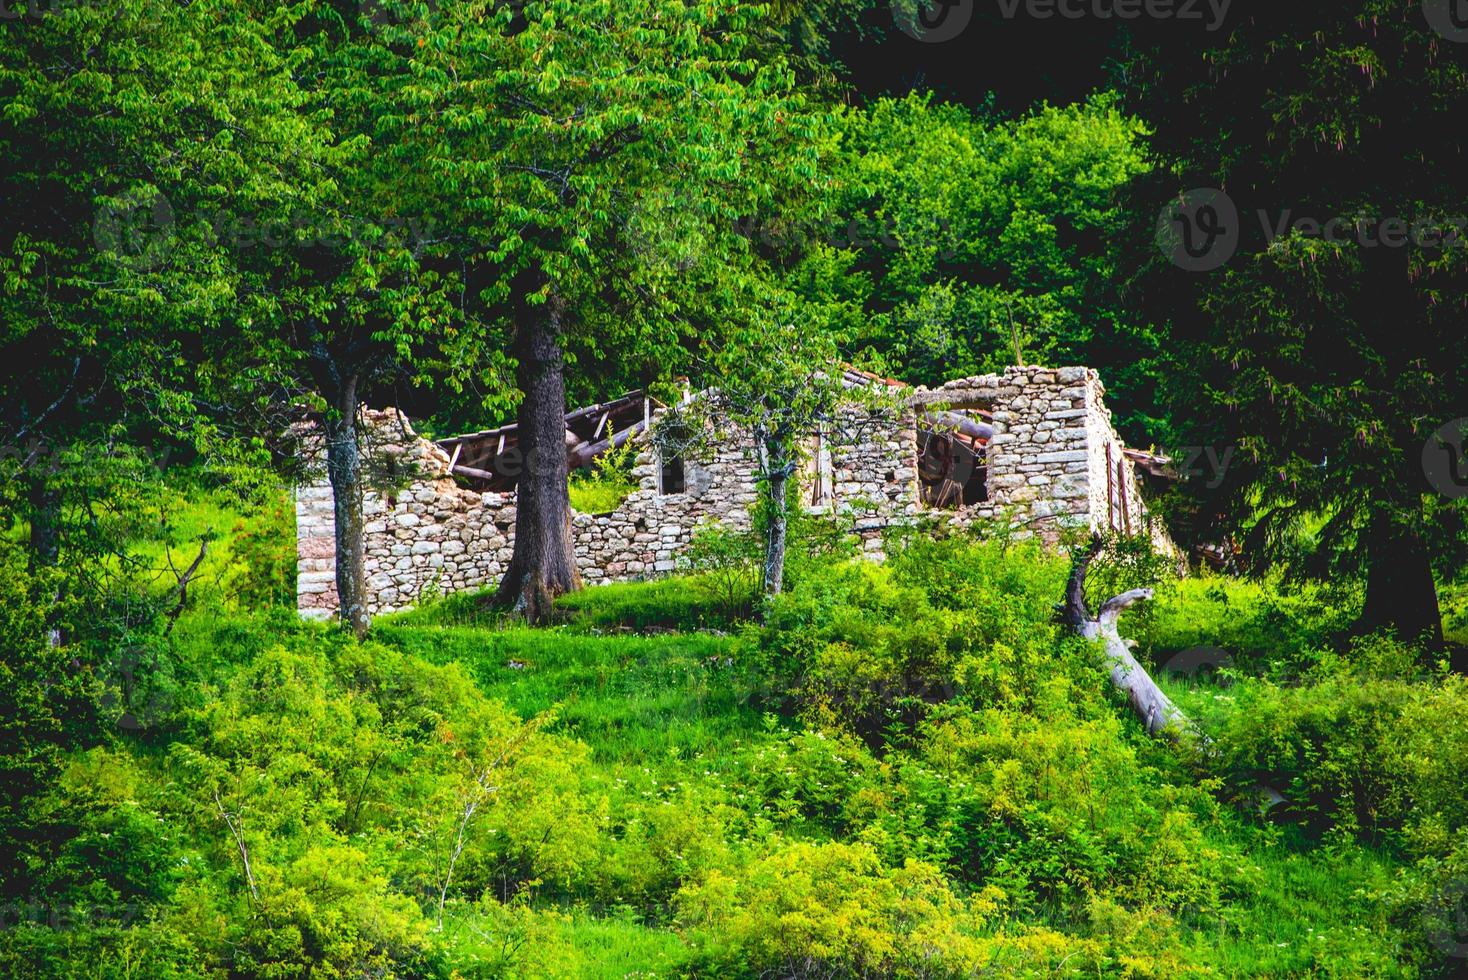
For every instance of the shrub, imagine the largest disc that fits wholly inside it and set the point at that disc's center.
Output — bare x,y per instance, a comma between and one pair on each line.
819,910
809,780
873,648
1357,749
601,488
263,573
726,562
1267,627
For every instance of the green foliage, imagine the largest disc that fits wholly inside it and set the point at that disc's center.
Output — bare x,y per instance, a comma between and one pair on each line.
47,705
1282,356
727,563
263,546
833,909
980,233
608,482
1266,627
982,802
870,647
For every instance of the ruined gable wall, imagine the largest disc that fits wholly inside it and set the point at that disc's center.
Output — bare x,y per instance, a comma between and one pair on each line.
1038,456
1114,493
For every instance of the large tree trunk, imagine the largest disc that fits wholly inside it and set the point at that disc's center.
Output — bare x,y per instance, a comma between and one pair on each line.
344,471
1400,592
777,530
1155,709
43,501
543,565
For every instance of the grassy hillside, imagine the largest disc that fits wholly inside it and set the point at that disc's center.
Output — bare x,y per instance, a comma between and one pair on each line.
906,770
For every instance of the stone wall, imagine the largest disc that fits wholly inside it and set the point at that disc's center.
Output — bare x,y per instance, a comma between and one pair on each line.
436,536
1047,463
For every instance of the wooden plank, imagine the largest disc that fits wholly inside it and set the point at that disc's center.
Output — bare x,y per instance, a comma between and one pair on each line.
455,457
1126,513
596,433
1110,493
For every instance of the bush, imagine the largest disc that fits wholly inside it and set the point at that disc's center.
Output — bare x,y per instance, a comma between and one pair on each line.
727,565
1267,628
601,488
819,910
871,649
1355,751
263,573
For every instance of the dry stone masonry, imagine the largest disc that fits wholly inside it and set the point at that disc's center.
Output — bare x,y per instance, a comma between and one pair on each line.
1054,462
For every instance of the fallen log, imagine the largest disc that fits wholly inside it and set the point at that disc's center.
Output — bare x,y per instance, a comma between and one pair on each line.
1155,709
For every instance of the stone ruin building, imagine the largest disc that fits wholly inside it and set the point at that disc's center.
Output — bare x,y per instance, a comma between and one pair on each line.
1033,447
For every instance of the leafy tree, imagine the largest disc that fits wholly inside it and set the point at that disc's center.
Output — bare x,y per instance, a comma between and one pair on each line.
776,383
979,241
339,286
121,124
1327,341
596,156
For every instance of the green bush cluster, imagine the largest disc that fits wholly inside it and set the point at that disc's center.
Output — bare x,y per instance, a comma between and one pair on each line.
904,770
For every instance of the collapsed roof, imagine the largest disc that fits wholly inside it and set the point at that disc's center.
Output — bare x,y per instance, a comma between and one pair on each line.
952,445
491,460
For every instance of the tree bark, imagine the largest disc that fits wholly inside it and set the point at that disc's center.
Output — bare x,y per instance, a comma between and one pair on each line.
1155,709
43,501
44,504
543,565
1400,592
344,471
779,467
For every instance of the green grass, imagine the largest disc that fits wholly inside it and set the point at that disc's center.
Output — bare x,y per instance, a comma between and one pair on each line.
683,603
1299,910
662,705
628,697
552,943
